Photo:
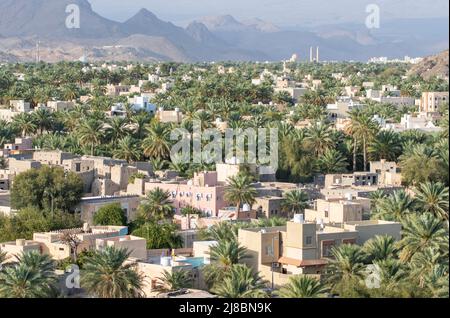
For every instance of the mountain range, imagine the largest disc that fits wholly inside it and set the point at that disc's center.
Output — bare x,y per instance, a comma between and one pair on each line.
145,37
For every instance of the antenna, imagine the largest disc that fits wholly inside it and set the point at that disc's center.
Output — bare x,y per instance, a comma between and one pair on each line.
38,53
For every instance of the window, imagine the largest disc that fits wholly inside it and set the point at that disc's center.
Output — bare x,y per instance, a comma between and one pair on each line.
78,167
269,250
326,213
327,246
308,240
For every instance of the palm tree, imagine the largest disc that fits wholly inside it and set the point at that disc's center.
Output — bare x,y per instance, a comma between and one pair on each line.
157,143
90,133
32,276
157,205
423,263
295,202
385,145
116,129
395,207
433,197
43,119
188,211
391,276
127,149
362,129
421,232
302,286
240,191
380,248
106,274
347,267
319,138
437,282
332,161
175,280
223,231
3,258
25,123
227,253
224,255
241,282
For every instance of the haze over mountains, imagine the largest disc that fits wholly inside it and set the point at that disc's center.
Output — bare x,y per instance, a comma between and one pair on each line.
145,37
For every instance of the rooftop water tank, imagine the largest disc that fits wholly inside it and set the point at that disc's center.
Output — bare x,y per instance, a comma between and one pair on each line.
298,218
166,261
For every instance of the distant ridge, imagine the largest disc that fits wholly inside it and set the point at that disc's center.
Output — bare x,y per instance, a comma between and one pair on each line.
436,65
146,37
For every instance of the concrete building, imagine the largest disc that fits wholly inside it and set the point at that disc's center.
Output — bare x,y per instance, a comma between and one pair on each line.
52,244
55,157
58,106
169,116
389,173
117,90
202,192
136,246
18,247
420,121
431,101
342,107
304,247
351,179
89,206
269,206
336,211
20,145
15,107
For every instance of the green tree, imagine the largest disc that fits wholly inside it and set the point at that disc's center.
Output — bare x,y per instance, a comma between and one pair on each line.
332,161
302,286
433,197
107,275
159,235
380,248
241,282
31,277
156,206
47,187
240,191
175,280
111,214
421,232
295,202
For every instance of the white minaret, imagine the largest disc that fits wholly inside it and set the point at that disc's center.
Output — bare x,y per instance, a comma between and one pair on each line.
311,59
317,55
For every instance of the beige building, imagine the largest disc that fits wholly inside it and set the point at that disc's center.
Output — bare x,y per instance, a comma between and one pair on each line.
351,179
15,107
169,116
389,173
431,101
136,246
337,211
269,206
88,206
304,247
18,247
55,157
50,243
58,106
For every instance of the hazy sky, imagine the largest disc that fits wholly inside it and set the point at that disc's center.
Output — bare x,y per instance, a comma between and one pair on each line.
281,12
